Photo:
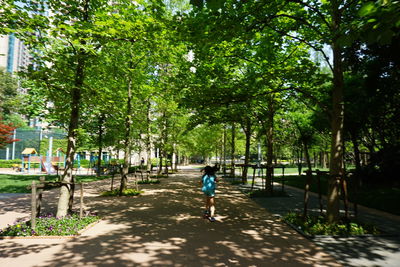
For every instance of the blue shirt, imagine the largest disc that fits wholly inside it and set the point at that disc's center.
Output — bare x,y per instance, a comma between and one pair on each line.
208,183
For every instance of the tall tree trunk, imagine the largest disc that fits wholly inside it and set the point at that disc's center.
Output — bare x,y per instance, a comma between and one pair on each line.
356,176
326,159
100,143
233,150
299,160
160,165
308,178
175,158
148,135
224,167
336,160
166,170
270,146
76,95
321,159
247,131
127,141
357,158
315,156
166,140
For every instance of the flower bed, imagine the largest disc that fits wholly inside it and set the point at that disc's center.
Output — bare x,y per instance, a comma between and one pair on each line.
50,225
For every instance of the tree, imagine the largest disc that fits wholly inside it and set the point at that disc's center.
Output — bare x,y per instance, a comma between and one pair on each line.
6,134
202,141
314,24
65,45
11,102
263,66
372,99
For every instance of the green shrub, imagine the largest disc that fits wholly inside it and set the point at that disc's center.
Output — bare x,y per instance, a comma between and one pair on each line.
9,163
127,192
50,226
132,169
318,225
159,176
149,181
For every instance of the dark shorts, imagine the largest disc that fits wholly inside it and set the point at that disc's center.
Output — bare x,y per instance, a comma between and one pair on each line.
209,193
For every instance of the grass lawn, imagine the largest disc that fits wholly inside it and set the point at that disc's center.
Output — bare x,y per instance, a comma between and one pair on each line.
277,171
378,197
18,183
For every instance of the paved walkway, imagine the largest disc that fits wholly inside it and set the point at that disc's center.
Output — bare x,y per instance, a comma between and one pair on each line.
355,251
164,227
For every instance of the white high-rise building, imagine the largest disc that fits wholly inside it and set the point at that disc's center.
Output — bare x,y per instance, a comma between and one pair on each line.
14,55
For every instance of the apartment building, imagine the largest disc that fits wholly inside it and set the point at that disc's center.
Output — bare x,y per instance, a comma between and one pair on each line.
14,55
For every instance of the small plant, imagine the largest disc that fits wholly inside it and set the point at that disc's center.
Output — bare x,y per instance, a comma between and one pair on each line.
159,176
50,226
151,181
127,193
318,225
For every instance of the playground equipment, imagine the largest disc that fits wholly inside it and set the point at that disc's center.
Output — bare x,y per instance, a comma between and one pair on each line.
58,162
29,157
51,164
48,164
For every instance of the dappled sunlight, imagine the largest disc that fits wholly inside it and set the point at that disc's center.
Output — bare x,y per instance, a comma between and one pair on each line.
164,227
9,219
220,218
139,208
254,234
239,251
185,216
158,191
105,224
147,253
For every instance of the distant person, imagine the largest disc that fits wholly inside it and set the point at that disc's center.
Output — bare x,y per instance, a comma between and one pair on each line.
142,162
208,182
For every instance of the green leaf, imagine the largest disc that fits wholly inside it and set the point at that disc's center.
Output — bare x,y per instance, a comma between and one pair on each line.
367,9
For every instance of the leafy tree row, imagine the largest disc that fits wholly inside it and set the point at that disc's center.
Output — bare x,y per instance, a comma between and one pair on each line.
216,78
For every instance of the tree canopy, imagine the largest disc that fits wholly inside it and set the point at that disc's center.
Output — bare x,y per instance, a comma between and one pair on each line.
300,78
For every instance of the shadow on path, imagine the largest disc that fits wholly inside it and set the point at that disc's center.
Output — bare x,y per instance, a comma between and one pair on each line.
350,251
164,227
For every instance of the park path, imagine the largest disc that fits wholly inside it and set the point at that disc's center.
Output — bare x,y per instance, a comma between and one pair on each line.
164,227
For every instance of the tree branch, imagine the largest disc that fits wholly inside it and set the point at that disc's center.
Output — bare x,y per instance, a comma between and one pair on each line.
314,9
246,59
73,47
302,20
304,42
290,54
296,89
